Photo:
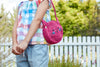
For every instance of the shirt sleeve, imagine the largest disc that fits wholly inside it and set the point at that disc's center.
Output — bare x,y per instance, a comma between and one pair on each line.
19,8
19,5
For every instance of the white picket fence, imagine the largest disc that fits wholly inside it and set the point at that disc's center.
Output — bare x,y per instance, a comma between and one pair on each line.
84,49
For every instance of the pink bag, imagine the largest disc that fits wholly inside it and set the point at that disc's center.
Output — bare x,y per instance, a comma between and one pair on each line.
52,30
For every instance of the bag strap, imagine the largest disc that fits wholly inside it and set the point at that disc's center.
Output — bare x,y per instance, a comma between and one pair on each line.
54,10
53,7
37,3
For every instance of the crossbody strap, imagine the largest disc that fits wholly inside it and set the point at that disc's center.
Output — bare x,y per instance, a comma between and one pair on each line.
53,7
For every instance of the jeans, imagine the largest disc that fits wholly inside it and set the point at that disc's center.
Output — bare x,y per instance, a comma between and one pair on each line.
34,56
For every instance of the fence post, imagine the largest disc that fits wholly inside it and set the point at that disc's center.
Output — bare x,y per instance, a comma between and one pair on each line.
66,49
79,50
89,59
84,51
70,48
93,52
61,50
98,52
75,50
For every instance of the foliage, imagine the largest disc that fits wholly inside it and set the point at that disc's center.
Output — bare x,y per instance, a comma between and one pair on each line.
3,22
75,16
69,63
6,23
12,19
98,18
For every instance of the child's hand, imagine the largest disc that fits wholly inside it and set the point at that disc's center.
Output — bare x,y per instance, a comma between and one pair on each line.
22,46
14,50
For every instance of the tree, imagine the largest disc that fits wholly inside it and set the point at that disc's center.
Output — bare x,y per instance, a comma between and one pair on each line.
6,23
3,21
98,19
12,20
75,16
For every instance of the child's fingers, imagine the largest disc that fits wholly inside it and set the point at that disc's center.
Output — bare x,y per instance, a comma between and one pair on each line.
15,52
19,49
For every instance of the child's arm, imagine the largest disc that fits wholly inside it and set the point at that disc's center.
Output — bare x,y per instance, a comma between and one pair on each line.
34,25
37,20
14,32
14,36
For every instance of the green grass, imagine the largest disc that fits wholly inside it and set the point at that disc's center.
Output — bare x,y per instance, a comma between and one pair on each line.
69,63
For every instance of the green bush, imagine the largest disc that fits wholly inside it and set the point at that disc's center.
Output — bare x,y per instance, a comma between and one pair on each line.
75,16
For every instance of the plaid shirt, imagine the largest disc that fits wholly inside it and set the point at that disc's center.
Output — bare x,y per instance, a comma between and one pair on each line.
26,13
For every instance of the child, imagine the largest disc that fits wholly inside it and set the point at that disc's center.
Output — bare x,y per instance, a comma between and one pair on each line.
29,46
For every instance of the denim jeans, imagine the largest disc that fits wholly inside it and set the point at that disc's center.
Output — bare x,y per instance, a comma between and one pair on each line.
34,56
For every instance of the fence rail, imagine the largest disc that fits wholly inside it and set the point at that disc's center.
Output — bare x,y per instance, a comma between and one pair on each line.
84,49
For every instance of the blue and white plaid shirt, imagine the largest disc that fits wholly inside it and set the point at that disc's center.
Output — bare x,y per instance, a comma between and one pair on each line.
26,13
